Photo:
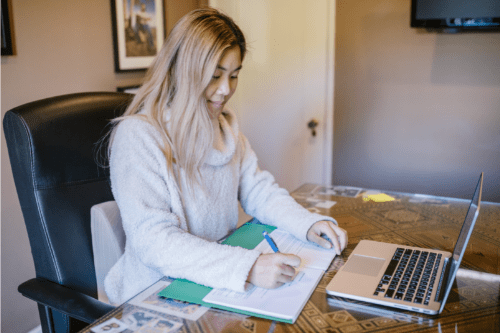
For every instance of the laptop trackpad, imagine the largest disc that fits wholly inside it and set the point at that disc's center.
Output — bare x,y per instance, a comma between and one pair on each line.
364,265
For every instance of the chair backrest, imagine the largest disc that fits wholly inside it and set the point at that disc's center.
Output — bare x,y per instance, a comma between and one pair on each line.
108,241
52,147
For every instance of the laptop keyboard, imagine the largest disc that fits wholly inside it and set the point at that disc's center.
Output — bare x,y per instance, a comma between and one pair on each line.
410,276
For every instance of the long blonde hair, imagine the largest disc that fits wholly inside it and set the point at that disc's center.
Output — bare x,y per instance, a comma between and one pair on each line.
175,84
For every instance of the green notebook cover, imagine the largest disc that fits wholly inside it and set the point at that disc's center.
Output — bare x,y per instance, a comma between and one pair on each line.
247,236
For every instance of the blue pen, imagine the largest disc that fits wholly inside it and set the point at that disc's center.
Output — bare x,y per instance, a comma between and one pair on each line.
270,242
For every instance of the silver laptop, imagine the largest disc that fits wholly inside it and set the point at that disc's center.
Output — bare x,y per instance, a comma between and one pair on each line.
410,278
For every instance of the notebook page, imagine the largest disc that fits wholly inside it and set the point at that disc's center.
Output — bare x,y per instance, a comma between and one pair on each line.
311,255
284,302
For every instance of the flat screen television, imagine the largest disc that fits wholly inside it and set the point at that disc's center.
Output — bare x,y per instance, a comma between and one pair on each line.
456,15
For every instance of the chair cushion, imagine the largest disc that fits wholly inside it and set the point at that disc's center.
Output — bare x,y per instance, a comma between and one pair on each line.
108,241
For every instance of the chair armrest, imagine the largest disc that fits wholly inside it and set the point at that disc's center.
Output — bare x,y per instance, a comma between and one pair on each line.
64,300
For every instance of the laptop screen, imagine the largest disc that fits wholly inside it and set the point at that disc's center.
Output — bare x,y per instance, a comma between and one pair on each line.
463,239
470,219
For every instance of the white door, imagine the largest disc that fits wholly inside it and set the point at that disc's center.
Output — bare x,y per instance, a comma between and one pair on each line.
286,81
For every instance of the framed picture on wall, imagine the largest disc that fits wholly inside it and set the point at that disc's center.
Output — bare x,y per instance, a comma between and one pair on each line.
138,32
7,29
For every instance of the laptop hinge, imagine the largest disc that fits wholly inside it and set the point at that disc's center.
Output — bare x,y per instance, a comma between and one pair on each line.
444,277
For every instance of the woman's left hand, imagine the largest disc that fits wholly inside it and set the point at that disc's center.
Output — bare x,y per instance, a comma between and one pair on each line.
337,235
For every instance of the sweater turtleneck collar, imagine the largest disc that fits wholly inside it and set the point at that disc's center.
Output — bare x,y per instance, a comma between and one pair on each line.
226,147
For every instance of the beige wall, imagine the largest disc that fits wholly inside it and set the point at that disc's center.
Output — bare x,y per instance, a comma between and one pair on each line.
414,111
62,47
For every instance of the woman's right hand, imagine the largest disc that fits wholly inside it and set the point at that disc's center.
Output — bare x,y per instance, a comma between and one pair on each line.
273,270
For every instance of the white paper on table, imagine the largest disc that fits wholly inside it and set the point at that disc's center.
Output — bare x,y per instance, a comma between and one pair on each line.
327,204
344,191
311,255
284,302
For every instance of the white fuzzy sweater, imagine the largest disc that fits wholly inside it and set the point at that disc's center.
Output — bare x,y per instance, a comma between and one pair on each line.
170,233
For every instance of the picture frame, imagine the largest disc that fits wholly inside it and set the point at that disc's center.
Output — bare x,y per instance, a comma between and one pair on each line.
7,29
128,89
139,30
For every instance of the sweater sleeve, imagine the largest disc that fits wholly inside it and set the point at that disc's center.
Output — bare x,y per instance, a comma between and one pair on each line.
143,189
261,197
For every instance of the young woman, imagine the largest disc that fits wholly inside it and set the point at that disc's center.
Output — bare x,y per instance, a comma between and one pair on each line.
179,165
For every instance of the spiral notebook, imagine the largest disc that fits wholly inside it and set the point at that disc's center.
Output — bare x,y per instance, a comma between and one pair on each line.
281,304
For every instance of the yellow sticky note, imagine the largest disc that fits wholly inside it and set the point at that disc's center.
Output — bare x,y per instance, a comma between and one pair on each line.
380,197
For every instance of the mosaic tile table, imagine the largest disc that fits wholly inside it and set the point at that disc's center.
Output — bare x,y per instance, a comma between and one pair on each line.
417,220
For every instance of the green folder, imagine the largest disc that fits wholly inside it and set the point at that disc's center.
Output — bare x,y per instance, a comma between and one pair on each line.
247,236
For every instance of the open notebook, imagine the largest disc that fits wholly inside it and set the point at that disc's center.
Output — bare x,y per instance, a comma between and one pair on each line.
282,304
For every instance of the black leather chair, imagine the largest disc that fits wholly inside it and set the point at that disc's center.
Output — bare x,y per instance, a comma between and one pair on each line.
52,147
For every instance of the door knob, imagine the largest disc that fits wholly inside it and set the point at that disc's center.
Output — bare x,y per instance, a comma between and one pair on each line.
312,125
